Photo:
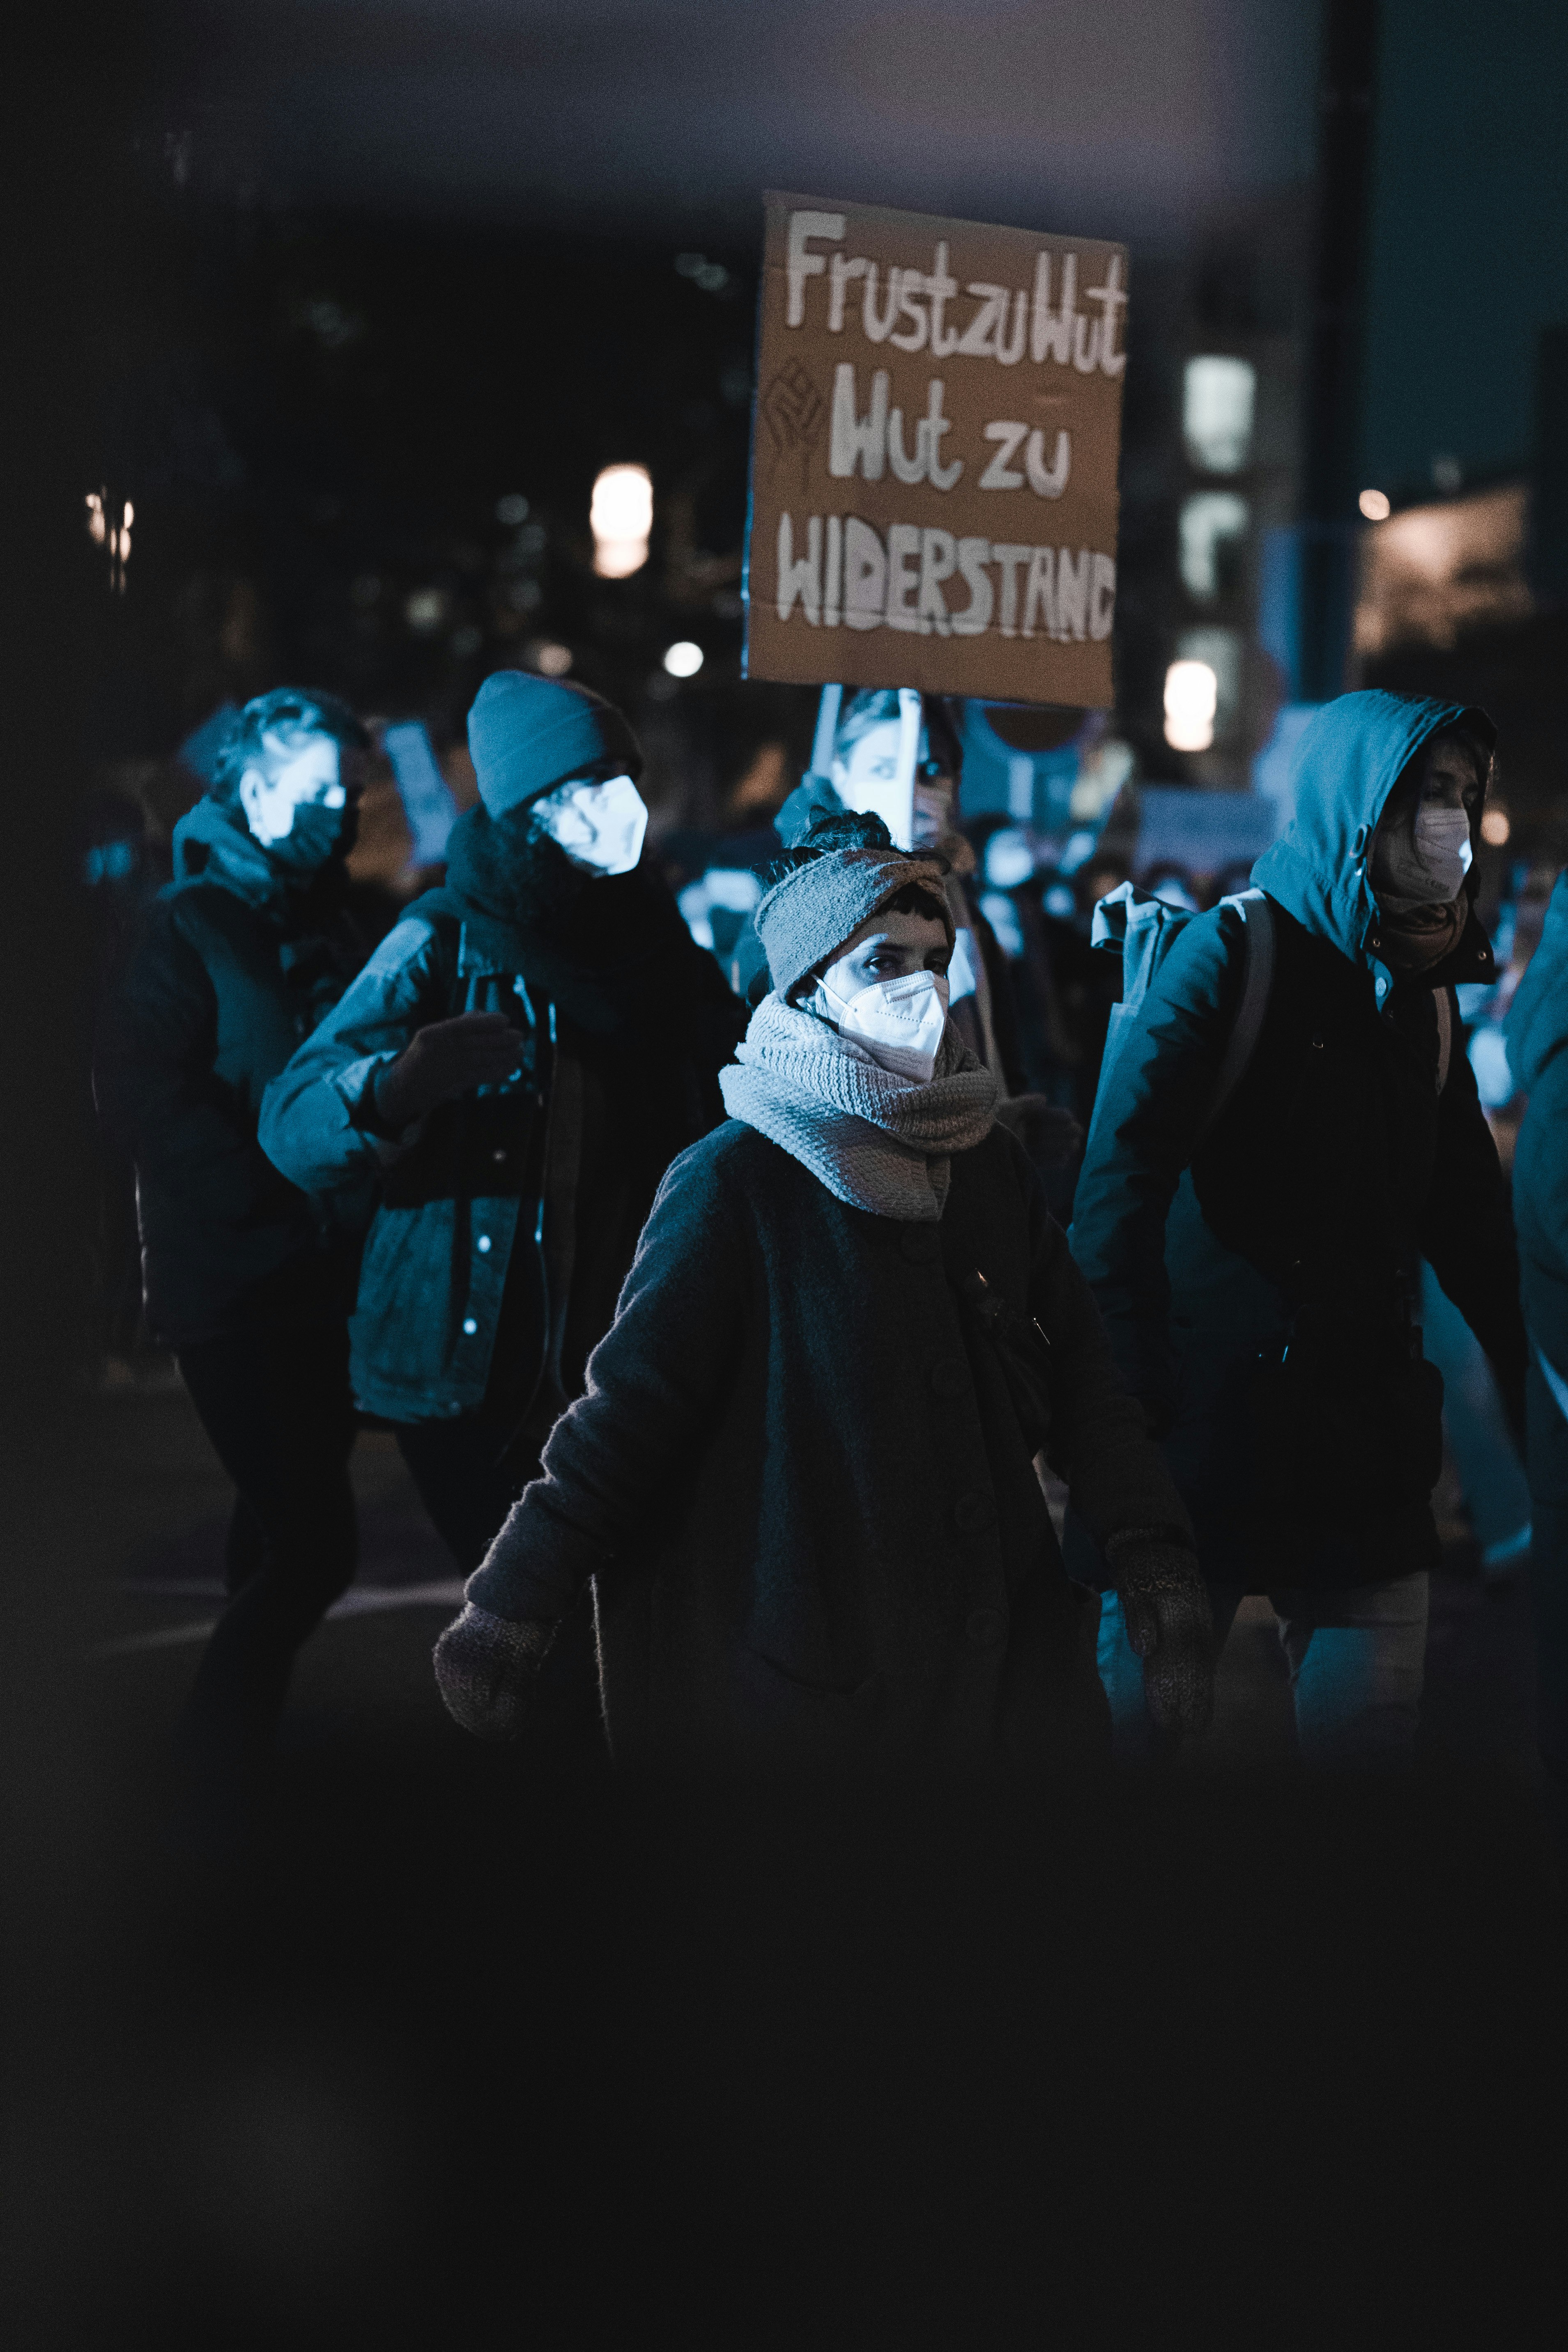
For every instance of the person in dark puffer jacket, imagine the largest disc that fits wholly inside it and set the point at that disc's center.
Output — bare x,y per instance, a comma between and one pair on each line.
801,1481
246,1277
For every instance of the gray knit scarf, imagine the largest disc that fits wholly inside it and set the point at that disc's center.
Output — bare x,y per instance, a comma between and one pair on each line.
876,1141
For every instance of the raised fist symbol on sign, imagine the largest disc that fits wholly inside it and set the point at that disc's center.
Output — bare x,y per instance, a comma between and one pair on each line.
793,412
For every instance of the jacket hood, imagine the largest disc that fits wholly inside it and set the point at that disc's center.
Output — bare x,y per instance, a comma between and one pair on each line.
211,845
1537,1024
1347,763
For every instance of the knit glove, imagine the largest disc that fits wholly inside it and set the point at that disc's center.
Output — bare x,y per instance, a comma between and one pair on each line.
487,1669
1165,1608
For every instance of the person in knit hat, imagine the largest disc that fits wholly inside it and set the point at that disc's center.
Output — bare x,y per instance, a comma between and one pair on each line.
801,1477
518,1064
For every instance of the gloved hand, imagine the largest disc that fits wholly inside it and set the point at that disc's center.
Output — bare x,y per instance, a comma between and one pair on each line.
1051,1136
486,1670
1165,1608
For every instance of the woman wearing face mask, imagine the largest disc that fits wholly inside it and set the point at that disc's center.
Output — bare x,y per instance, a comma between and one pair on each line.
1258,1276
982,1007
245,1279
519,1063
802,1479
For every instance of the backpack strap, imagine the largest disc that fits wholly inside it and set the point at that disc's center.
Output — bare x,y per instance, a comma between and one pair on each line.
1257,917
1445,1004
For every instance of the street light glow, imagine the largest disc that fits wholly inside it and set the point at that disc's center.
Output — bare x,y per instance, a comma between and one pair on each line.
1191,698
683,659
621,517
1374,505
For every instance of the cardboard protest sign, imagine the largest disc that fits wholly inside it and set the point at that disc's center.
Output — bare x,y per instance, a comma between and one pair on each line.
933,461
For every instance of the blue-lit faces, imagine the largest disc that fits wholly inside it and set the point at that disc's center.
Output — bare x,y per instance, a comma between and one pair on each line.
301,773
887,992
597,823
1426,839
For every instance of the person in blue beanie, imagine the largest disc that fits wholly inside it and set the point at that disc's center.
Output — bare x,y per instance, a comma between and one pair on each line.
516,1066
1257,1258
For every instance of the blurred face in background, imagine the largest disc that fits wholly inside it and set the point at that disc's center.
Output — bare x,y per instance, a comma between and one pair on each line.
865,773
304,791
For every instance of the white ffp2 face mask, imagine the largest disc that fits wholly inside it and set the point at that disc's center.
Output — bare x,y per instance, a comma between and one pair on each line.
599,826
897,1022
1443,846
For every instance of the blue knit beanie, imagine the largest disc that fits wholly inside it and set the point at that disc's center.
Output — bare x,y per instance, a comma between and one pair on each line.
528,733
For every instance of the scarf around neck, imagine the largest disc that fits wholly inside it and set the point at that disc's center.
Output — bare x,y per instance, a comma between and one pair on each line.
877,1141
611,949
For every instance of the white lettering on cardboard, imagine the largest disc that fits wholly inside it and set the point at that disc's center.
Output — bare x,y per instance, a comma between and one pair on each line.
1067,594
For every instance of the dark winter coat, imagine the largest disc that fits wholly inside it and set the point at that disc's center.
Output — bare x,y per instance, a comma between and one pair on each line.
802,1491
234,965
510,1216
1537,1034
1260,1302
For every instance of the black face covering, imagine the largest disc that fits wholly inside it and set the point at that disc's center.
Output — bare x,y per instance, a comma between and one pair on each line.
317,835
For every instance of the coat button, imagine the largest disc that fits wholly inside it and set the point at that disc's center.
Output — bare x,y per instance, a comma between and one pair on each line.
973,1511
950,1376
469,1326
921,1243
482,1245
986,1627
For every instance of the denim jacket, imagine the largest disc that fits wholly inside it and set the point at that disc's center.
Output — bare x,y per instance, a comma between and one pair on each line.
456,1189
564,1161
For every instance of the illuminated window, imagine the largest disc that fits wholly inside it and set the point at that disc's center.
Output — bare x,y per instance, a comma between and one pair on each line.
621,518
1209,520
1218,399
1191,698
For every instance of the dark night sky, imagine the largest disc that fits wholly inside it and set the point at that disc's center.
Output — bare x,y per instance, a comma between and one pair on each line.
1128,120
1469,254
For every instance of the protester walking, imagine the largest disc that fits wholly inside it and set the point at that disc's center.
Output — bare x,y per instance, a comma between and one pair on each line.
1254,1233
246,1277
516,1066
802,1480
1537,1034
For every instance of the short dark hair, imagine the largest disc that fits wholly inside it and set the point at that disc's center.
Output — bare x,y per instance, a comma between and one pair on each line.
285,710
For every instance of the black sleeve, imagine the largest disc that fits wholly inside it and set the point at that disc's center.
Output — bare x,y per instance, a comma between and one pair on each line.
1098,1442
153,1072
1154,1094
1467,1233
655,1381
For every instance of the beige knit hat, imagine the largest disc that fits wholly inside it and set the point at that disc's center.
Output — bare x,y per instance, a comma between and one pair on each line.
816,907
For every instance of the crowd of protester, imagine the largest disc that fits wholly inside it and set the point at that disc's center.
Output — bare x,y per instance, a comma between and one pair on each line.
738,1244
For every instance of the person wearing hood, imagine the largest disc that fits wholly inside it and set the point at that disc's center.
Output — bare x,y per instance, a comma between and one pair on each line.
1259,1274
801,1482
1536,1032
245,1278
516,1066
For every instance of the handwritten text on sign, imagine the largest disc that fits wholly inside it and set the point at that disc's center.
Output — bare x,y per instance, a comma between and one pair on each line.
933,467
